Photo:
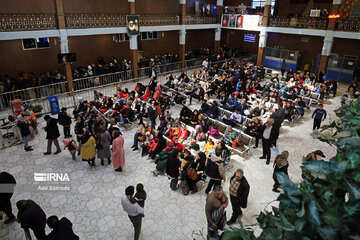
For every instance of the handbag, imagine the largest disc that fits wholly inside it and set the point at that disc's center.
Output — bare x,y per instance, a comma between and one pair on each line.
274,150
213,132
192,173
237,143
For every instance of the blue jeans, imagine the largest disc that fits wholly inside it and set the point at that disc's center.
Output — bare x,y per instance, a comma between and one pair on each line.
26,141
73,155
136,140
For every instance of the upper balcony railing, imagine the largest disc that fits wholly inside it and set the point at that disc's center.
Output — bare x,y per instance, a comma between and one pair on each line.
196,19
158,19
95,20
27,22
299,22
348,24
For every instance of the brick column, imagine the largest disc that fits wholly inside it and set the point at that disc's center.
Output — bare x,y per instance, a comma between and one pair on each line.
64,44
334,10
261,49
182,41
133,44
325,53
263,33
219,10
217,39
182,33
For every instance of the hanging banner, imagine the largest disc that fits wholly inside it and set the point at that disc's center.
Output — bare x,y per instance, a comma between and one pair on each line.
247,22
132,25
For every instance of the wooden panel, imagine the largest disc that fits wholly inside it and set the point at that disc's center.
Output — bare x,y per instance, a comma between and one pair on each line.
166,42
96,6
88,48
196,39
26,6
14,59
235,39
157,6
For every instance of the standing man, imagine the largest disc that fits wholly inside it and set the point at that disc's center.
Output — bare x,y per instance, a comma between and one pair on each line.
7,184
134,211
268,139
52,134
320,115
152,114
239,192
61,229
65,120
216,202
31,216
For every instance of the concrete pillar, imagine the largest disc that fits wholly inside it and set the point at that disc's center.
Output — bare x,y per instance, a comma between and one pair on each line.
261,49
182,42
334,10
217,39
325,53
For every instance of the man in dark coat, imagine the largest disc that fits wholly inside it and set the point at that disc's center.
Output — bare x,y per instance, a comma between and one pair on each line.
61,229
239,192
269,137
31,216
65,120
52,134
278,117
7,184
197,93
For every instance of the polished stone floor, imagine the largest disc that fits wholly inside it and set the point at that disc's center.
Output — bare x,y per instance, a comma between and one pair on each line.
93,201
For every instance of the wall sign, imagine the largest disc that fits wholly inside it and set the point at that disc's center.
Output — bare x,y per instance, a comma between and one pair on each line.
241,21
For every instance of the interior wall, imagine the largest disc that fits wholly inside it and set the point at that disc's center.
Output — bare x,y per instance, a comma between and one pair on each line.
308,50
166,42
88,48
157,6
14,59
95,6
190,5
196,39
24,6
235,39
346,47
237,2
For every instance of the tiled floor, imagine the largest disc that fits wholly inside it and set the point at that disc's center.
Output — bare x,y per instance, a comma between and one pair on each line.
93,202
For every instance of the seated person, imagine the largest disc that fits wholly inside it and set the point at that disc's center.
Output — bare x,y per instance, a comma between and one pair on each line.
213,112
185,115
174,129
147,95
183,134
194,171
235,118
300,106
230,135
197,93
127,115
195,118
140,135
230,103
209,146
254,129
204,106
289,111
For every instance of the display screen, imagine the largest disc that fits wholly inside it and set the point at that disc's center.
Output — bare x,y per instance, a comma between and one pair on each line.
249,38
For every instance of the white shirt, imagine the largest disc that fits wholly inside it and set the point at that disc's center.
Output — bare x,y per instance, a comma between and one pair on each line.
205,64
132,209
236,117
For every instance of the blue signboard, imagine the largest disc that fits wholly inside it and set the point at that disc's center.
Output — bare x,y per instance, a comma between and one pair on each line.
249,38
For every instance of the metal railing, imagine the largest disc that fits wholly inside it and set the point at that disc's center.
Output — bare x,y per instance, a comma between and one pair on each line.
90,20
196,19
160,68
159,19
348,24
299,22
23,22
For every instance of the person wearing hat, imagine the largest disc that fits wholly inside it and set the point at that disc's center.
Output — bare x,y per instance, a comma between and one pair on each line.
64,119
313,156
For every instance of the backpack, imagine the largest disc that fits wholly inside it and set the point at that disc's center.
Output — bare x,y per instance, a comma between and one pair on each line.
70,146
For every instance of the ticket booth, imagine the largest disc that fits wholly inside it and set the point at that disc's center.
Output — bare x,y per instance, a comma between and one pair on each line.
54,105
341,68
274,57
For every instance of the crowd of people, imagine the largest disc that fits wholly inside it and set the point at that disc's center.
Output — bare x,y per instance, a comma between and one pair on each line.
190,147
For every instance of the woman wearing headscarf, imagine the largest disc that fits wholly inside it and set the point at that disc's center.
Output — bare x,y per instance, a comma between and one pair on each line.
194,171
79,130
172,168
88,151
281,164
103,145
118,154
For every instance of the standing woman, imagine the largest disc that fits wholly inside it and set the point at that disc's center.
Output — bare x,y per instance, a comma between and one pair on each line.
79,130
103,145
118,154
281,164
88,151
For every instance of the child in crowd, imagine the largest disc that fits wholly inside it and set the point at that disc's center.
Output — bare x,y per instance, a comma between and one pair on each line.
71,145
140,196
320,115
